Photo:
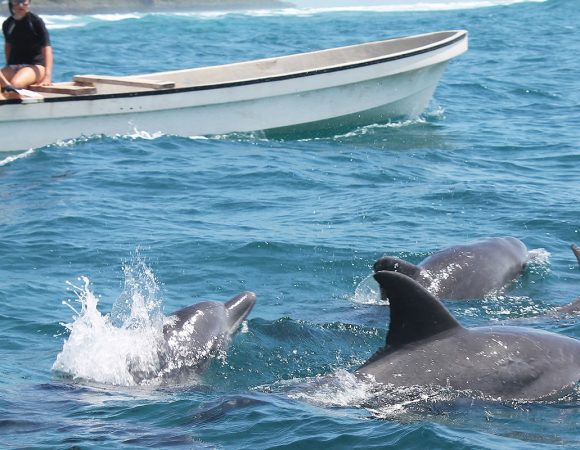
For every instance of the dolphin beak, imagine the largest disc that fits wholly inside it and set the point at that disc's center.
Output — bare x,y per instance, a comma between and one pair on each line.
238,308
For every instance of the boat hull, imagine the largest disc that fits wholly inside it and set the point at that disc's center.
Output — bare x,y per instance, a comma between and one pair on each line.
317,101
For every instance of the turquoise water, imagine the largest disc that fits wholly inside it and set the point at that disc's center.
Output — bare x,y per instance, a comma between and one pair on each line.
161,222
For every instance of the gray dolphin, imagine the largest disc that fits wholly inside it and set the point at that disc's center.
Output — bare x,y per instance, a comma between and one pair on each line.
573,307
576,251
471,270
427,346
195,334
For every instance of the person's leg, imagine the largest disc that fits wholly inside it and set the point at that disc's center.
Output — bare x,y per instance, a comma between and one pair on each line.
7,74
27,75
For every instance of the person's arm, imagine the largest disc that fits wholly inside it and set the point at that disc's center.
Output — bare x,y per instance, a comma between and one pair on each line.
3,81
48,59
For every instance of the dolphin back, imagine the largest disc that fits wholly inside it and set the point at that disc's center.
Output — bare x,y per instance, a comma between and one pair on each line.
475,269
427,346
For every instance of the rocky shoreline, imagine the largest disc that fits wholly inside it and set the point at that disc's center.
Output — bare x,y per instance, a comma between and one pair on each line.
112,6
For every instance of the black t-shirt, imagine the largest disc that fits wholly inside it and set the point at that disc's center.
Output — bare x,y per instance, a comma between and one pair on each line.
27,37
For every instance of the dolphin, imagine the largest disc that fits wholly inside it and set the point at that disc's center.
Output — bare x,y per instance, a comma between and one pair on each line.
573,307
427,346
471,270
576,251
195,334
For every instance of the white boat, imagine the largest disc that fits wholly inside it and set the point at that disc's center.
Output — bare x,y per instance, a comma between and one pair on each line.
342,87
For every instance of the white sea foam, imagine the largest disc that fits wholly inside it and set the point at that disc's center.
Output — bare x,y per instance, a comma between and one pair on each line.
65,143
340,388
539,256
142,134
345,389
121,348
13,158
303,8
117,17
65,21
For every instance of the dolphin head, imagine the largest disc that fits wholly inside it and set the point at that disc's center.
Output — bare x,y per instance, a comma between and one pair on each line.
393,264
197,333
211,318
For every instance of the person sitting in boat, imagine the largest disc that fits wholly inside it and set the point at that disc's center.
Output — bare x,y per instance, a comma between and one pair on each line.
27,48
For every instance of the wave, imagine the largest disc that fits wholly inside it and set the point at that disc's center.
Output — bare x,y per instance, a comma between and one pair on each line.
306,9
13,158
403,6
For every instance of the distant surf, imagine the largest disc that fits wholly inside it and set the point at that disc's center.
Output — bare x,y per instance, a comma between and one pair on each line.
303,8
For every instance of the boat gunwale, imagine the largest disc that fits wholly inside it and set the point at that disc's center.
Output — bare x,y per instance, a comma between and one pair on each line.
456,36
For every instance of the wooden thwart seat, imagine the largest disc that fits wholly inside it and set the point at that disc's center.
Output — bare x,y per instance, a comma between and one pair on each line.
68,89
124,81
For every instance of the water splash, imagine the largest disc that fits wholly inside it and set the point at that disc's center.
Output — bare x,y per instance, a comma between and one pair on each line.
539,257
139,304
142,134
368,292
66,143
344,389
337,389
119,349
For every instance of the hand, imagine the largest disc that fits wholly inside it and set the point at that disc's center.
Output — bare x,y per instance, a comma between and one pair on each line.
46,81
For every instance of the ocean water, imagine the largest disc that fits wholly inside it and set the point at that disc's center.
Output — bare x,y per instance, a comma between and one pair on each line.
101,229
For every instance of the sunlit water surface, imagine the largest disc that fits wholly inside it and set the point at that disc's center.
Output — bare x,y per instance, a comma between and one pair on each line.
103,237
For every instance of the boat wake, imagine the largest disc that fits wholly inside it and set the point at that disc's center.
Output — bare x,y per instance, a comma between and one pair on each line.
12,158
254,136
298,135
135,135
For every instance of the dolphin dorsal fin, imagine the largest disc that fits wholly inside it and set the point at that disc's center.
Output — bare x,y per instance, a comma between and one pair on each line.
576,251
415,313
394,264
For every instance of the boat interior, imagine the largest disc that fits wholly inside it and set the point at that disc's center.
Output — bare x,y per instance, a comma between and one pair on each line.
247,70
